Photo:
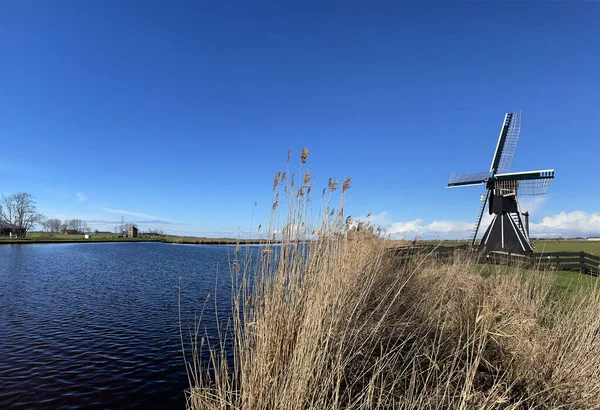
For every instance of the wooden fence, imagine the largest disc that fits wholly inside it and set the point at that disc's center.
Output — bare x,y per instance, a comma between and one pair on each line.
442,253
578,261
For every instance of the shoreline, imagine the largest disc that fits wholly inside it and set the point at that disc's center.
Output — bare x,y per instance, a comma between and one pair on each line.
177,241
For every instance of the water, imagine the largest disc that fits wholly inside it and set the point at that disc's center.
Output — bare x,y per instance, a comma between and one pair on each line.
96,325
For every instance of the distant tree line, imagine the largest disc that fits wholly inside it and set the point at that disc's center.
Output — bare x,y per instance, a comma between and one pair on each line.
18,215
155,232
68,225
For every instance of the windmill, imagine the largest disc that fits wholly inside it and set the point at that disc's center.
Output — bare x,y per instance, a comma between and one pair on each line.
509,229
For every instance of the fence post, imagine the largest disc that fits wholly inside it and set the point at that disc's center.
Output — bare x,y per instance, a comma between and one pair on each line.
532,261
581,262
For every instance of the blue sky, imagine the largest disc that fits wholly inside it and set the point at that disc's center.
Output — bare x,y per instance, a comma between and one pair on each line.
179,113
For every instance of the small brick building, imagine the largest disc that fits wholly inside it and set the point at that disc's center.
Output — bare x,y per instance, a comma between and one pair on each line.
132,231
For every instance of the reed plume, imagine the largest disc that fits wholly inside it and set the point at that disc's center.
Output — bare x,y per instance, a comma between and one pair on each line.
304,155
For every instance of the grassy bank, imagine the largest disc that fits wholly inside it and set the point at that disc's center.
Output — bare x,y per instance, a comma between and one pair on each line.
37,237
338,324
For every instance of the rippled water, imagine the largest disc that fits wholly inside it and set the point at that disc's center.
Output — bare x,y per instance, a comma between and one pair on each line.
96,325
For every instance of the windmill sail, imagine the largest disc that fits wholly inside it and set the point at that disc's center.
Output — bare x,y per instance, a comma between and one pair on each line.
520,176
467,179
479,216
525,183
507,142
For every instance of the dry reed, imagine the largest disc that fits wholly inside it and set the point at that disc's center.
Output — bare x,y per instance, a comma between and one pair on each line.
328,319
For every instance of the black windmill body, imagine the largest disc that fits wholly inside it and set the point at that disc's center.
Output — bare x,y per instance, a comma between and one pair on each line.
509,229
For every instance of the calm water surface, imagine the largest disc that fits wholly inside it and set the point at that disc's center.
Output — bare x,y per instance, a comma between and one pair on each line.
96,325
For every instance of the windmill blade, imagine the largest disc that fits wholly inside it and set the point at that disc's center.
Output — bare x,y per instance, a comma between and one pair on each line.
525,183
507,142
520,176
478,222
457,180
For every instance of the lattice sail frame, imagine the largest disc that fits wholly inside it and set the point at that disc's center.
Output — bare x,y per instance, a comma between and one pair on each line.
468,179
524,187
510,143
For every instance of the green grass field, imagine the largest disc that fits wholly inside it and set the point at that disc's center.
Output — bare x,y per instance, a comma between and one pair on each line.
592,247
571,281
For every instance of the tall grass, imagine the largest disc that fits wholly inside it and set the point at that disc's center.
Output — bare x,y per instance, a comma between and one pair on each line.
339,324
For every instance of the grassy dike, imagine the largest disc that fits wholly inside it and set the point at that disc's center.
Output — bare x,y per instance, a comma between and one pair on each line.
339,324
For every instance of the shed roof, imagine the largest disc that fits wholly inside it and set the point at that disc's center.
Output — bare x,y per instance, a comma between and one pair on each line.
7,225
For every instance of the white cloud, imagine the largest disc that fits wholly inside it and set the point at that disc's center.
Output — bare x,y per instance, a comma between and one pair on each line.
80,197
131,213
417,227
533,204
576,223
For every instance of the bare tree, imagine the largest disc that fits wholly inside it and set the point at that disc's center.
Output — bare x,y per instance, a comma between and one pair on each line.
53,225
75,224
42,222
19,210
